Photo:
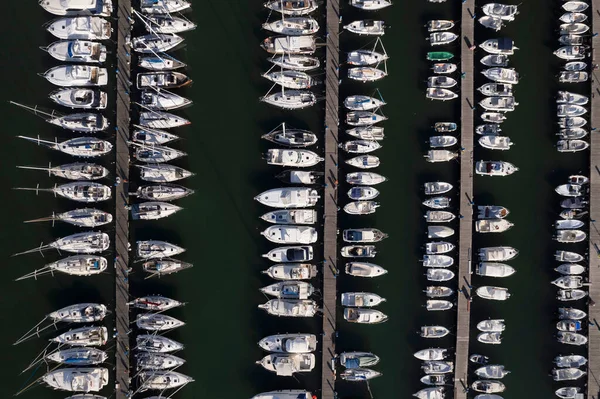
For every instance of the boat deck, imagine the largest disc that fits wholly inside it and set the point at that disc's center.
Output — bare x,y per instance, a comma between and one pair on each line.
467,103
330,264
122,379
593,384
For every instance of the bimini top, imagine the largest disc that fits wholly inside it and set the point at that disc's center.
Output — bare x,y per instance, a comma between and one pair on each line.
505,43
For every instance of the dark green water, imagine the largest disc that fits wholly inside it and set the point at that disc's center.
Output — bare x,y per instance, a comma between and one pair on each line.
220,226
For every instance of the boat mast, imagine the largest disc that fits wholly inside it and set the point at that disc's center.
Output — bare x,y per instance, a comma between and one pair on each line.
49,169
37,189
50,144
36,111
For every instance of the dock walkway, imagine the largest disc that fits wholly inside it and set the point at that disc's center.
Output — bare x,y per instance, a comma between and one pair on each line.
123,104
467,105
330,216
593,384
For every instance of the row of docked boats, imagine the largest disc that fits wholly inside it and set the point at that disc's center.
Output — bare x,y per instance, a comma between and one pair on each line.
440,84
496,15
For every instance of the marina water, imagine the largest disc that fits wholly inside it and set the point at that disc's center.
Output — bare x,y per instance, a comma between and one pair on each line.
220,226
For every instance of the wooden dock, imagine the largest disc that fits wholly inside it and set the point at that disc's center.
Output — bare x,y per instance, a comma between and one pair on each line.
123,77
467,105
593,375
330,260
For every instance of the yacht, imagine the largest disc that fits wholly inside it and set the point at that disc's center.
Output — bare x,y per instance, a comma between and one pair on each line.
77,379
438,305
502,75
571,313
361,207
370,5
288,197
290,79
290,45
156,43
80,265
362,193
364,178
364,162
495,60
497,254
291,99
80,98
493,293
77,75
568,224
293,7
161,120
361,299
84,122
164,6
83,217
156,344
491,269
156,63
572,134
437,202
87,192
162,192
367,27
364,269
436,248
570,295
162,380
88,242
291,137
290,307
292,271
490,22
571,53
157,361
365,57
441,38
79,313
162,267
502,143
502,11
288,364
571,122
292,157
289,290
157,303
437,261
290,254
364,316
293,26
499,104
431,354
491,325
289,343
439,231
430,393
434,332
157,154
77,51
162,173
162,80
153,210
495,168
366,74
444,68
102,8
572,76
502,46
299,216
363,118
570,110
360,147
77,356
565,97
568,392
439,216
152,249
84,336
169,24
362,103
440,94
567,374
358,251
157,322
296,62
152,136
286,234
443,82
74,171
573,28
299,177
439,275
363,235
440,156
359,374
84,28
434,379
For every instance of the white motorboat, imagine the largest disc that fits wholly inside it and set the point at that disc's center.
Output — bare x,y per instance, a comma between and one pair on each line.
438,187
497,254
495,60
502,11
440,94
571,52
163,173
569,325
441,38
434,156
366,74
361,207
491,325
79,313
286,234
355,360
571,40
358,251
574,28
370,5
157,361
490,269
443,82
490,338
161,380
437,261
573,204
153,136
364,178
489,129
156,303
359,374
161,120
290,254
168,24
502,75
157,322
492,226
490,22
162,267
496,90
152,249
164,6
570,110
292,157
88,242
445,127
288,197
368,27
568,224
436,25
292,8
492,212
362,103
364,316
156,43
434,332
437,367
570,361
495,168
570,269
102,8
499,104
299,216
155,63
362,193
293,26
442,141
84,28
571,313
572,145
80,98
296,62
364,162
290,79
291,99
431,354
430,393
438,305
367,132
566,256
162,100
572,76
568,282
364,269
163,192
439,231
77,379
569,123
502,143
156,344
567,374
488,386
153,210
444,68
568,392
84,336
434,379
76,75
289,290
501,46
437,202
363,235
290,45
365,57
570,236
299,177
292,271
289,343
360,147
573,17
440,247
439,275
575,6
439,216
578,179
572,134
361,299
493,293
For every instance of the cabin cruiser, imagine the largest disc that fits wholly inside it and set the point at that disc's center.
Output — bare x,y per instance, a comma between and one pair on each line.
77,75
364,162
288,364
502,75
439,231
489,129
292,7
436,248
364,178
437,305
492,212
362,103
495,168
291,99
570,269
359,374
293,26
156,43
567,374
502,11
437,367
501,143
444,68
102,8
570,110
161,380
572,134
439,25
496,90
79,313
439,216
434,379
570,361
292,271
291,137
440,94
157,322
358,251
360,299
162,173
502,46
370,5
491,338
290,254
430,393
296,62
164,6
440,156
153,210
495,60
366,27
80,98
491,325
570,236
488,386
77,379
571,145
77,356
490,269
289,343
492,226
84,336
565,97
433,188
366,74
364,316
566,256
437,261
437,202
290,45
497,254
285,234
156,344
571,52
285,394
572,76
152,249
363,235
441,38
162,80
85,28
163,267
291,157
439,275
499,104
289,290
364,269
288,197
163,192
155,63
362,193
290,79
493,293
434,332
169,24
365,57
300,216
290,307
361,207
80,265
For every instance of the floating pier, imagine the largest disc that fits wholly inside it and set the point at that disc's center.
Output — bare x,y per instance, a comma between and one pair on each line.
330,224
123,76
465,243
593,384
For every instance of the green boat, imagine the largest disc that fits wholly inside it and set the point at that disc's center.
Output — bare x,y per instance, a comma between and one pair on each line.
439,56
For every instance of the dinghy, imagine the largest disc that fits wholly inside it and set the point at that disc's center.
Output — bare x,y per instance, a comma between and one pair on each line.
360,147
438,187
572,145
439,216
570,295
76,75
437,367
493,117
299,177
493,23
364,316
290,99
77,379
286,234
288,197
289,290
292,157
571,52
82,337
160,380
570,236
434,332
290,45
573,17
496,89
437,305
431,354
365,58
152,249
488,386
437,202
491,325
493,293
290,307
502,143
570,269
576,28
84,28
568,374
502,75
492,226
163,192
289,343
568,392
292,271
367,132
575,6
492,212
362,193
495,60
436,248
364,162
497,254
80,51
479,359
292,8
156,344
502,11
439,231
491,338
370,5
434,156
359,375
568,224
430,393
439,56
440,38
572,76
440,94
290,254
366,74
439,25
367,27
495,168
361,207
439,275
163,173
156,43
489,269
364,269
503,46
293,26
566,256
570,361
296,62
361,299
364,178
102,8
444,68
355,360
437,261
